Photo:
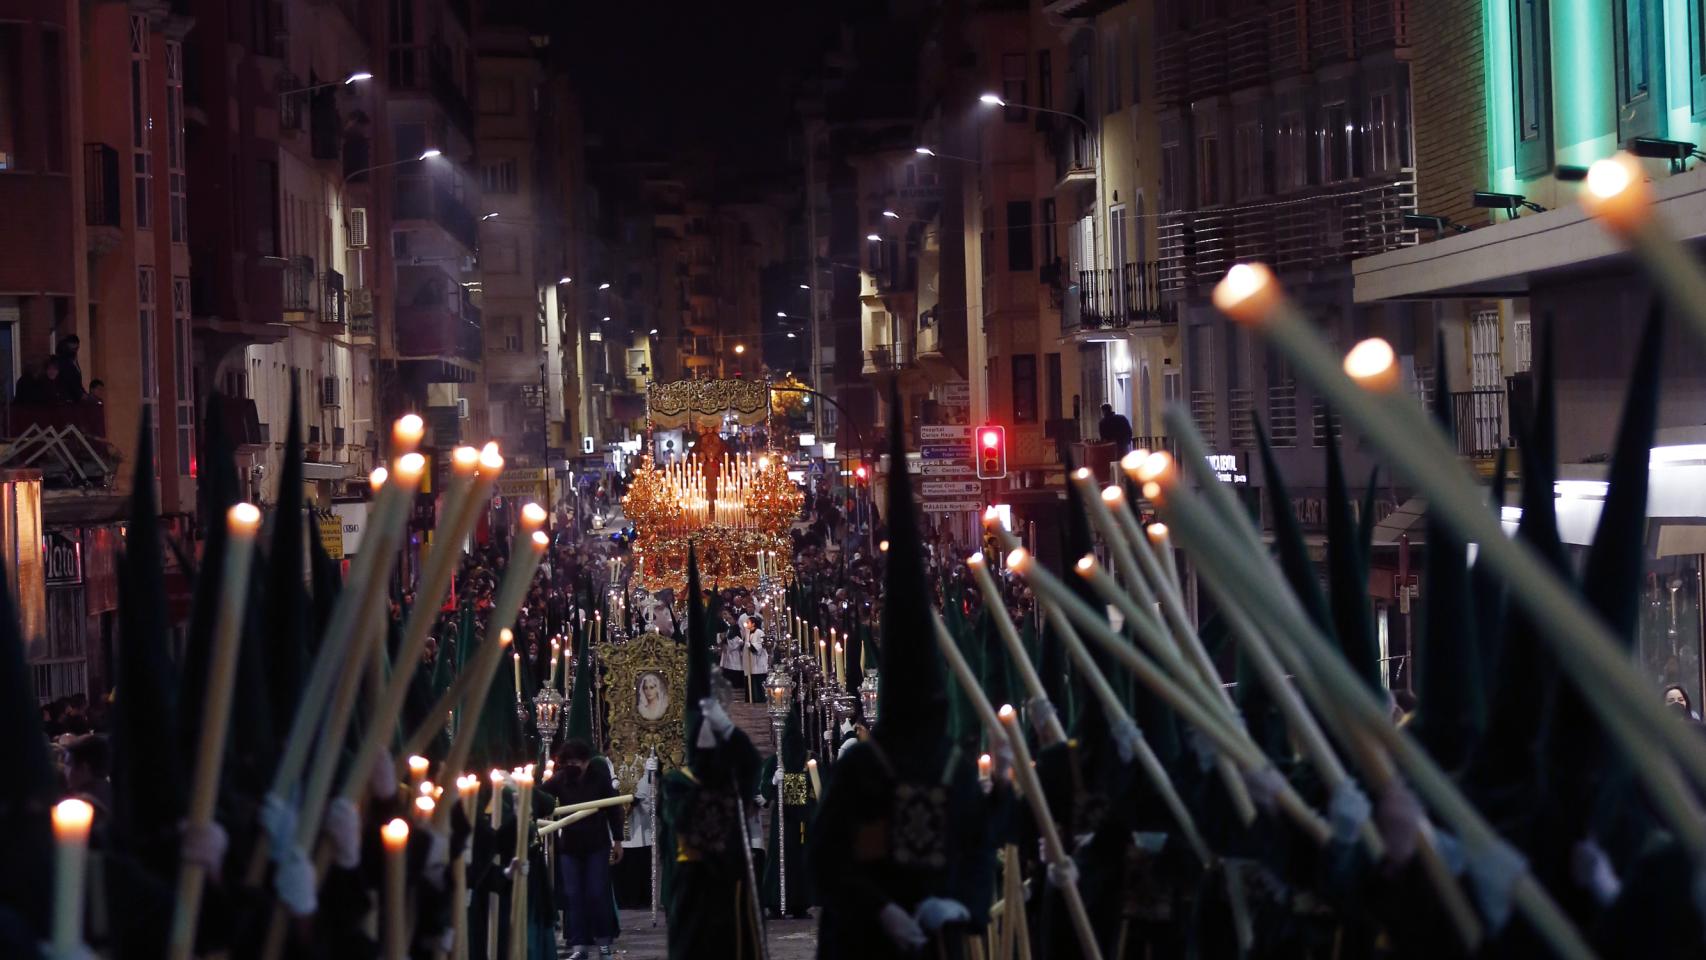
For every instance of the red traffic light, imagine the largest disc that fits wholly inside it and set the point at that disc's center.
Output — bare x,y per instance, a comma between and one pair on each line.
860,473
991,453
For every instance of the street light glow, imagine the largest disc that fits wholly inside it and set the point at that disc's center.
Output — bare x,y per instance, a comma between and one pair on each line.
604,286
740,348
805,286
782,315
654,332
431,152
993,100
874,238
790,336
565,279
924,151
489,216
891,215
357,77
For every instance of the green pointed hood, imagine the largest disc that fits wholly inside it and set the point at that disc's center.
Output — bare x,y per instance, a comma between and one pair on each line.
580,701
1288,536
913,705
700,656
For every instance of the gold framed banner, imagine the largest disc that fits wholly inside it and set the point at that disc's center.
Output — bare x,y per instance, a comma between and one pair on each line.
644,688
680,402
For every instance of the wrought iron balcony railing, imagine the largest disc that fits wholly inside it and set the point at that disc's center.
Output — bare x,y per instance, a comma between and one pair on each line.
1118,298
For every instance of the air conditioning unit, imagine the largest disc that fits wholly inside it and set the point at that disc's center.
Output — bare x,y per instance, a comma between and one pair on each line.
358,226
328,391
461,408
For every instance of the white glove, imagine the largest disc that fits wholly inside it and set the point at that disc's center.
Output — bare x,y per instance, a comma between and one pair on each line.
1041,712
293,881
1347,811
759,801
1264,785
1398,814
278,819
716,718
204,845
776,780
651,764
934,912
1126,738
383,779
1063,874
1593,871
343,828
901,928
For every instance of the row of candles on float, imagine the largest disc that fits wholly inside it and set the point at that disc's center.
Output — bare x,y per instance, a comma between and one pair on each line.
736,477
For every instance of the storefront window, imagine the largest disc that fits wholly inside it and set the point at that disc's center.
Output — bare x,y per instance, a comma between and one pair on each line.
1670,627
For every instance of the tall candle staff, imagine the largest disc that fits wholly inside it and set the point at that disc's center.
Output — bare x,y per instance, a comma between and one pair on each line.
71,820
242,522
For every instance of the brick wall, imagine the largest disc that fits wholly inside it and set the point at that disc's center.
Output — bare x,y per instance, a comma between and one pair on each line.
1448,77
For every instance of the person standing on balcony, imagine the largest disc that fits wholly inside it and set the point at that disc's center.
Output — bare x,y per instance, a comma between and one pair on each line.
1115,429
70,383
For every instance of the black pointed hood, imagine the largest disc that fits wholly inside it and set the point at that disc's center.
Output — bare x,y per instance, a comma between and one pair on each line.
286,603
1347,573
1288,536
913,704
699,655
580,700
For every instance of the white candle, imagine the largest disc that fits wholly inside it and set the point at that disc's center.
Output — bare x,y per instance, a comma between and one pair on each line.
396,837
71,819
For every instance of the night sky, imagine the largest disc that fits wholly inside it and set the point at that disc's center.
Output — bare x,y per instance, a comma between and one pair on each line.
707,85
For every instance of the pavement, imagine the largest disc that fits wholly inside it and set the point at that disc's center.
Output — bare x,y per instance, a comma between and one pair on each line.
789,939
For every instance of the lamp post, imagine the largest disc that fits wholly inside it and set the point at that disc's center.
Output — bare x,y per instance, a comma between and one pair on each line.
778,701
354,78
868,695
547,716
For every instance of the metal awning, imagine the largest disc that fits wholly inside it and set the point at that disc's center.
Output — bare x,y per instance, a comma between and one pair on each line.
325,471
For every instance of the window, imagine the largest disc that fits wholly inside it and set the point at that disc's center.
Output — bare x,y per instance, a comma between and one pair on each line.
11,92
1020,255
183,388
1386,140
266,208
1248,178
1054,386
1111,64
178,214
1282,401
1013,85
1335,143
1136,61
1199,355
1172,176
141,121
53,100
1045,80
503,255
497,96
1291,167
1025,388
506,334
1696,59
1639,45
1051,251
1208,171
1531,64
147,357
499,177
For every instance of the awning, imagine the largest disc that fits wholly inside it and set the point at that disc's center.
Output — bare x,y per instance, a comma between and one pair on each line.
325,471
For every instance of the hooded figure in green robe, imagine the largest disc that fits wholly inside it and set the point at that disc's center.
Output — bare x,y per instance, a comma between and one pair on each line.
713,910
882,844
792,807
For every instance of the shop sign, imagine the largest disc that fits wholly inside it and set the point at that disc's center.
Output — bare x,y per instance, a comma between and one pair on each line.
331,528
64,557
354,518
1229,467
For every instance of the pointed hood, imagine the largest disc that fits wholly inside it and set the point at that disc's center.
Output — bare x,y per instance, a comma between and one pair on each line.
700,654
913,708
580,701
1450,711
793,744
148,770
1288,536
1347,573
217,491
286,602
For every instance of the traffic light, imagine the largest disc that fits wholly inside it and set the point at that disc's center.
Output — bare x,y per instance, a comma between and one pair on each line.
991,453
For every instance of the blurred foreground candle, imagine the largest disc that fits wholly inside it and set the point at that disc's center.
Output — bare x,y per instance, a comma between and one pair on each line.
817,784
406,434
515,659
71,819
985,767
1373,364
396,837
417,771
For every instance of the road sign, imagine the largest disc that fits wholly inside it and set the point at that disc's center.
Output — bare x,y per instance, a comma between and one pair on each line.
951,506
951,488
949,451
937,431
948,468
956,393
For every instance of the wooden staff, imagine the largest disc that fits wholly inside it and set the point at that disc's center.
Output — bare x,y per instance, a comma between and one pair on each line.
1059,861
1586,649
1052,732
1222,556
518,876
241,523
621,800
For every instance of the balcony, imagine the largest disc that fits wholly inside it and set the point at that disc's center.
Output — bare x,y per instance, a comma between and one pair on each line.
1329,31
333,307
424,198
1246,52
884,358
1120,298
1381,25
1317,228
1206,53
1287,39
427,68
100,185
1479,416
438,331
299,285
929,334
1172,75
361,313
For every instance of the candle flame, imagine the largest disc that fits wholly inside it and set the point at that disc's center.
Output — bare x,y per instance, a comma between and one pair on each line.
1157,467
243,518
411,466
378,477
1017,560
490,457
73,816
425,805
409,429
1087,564
1158,532
1152,491
418,765
975,560
991,515
1373,364
1007,713
465,460
1112,494
497,775
532,516
505,636
540,541
1247,293
396,833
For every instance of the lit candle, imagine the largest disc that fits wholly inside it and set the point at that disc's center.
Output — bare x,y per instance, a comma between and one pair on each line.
396,837
417,771
71,819
406,434
840,663
817,783
556,654
1373,364
985,767
424,806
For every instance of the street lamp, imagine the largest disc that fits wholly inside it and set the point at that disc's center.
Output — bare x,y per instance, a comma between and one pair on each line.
995,100
354,78
890,214
565,279
604,286
932,152
874,237
740,348
488,216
